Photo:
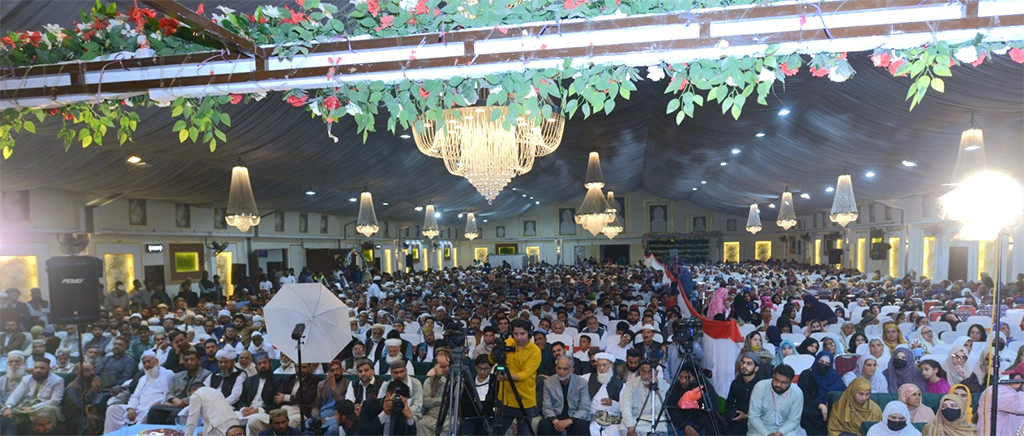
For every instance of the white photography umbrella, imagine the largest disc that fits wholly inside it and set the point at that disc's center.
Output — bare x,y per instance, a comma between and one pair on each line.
328,330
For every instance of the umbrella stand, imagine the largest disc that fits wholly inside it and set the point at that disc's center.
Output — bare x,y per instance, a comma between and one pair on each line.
297,334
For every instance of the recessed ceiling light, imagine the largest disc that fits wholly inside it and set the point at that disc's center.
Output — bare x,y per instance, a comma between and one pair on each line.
531,198
437,214
784,112
352,199
310,192
771,205
909,163
760,134
536,202
485,221
524,195
724,163
404,136
703,182
735,151
694,189
805,196
134,160
515,189
385,204
869,174
419,208
830,189
460,215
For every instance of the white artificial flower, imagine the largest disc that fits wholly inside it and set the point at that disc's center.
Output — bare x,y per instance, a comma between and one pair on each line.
259,96
729,81
353,109
496,89
532,93
218,18
80,26
128,102
766,75
618,13
271,11
1001,51
967,55
835,76
407,4
655,73
52,28
226,10
161,103
326,13
315,107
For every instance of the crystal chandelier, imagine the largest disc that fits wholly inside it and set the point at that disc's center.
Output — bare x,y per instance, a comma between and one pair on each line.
614,227
844,205
593,213
754,220
241,212
430,228
367,222
483,151
471,231
787,214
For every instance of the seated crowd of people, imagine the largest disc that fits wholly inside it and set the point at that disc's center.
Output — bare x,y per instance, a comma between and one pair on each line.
591,349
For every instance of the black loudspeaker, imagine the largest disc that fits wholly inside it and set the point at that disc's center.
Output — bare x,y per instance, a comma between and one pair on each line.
74,289
835,256
880,251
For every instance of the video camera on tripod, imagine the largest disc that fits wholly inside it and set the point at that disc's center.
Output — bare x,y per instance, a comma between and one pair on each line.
685,331
499,354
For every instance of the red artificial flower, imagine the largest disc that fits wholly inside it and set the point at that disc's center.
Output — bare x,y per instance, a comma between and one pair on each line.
331,103
300,2
54,111
683,84
842,55
199,10
788,71
88,36
437,12
296,18
979,61
412,21
236,98
99,24
881,60
33,38
1017,55
7,40
895,66
385,22
373,7
297,101
168,25
424,93
573,4
139,15
819,72
421,7
68,116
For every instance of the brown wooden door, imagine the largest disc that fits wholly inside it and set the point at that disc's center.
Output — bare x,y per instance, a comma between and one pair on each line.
957,264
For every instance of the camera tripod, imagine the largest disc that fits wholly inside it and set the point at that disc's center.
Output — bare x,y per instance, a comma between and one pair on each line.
459,383
702,382
499,416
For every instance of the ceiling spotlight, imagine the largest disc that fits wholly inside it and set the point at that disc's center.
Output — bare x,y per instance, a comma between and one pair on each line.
694,189
531,198
536,202
703,182
724,163
524,195
352,199
784,112
515,189
460,215
437,214
735,151
485,221
134,160
869,174
771,205
760,134
384,204
909,163
805,196
310,192
419,208
404,136
830,189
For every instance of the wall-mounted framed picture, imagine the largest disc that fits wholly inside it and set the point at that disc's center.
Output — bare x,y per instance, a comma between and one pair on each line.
182,215
324,223
499,232
566,221
506,249
137,212
529,228
218,218
16,205
447,252
279,221
303,223
730,225
658,216
700,223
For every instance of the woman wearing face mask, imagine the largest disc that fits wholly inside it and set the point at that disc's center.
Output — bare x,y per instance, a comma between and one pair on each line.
902,370
924,338
867,368
952,419
911,396
895,422
965,394
815,383
853,408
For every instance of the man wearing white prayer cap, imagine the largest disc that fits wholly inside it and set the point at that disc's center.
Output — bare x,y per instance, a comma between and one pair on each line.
229,379
375,343
604,388
152,389
394,354
374,291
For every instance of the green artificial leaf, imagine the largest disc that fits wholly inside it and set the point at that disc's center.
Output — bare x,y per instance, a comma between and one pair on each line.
942,70
182,135
178,126
673,105
30,126
937,84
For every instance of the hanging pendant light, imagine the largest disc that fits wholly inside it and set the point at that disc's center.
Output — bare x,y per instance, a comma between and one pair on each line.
787,213
471,231
614,227
241,212
844,205
754,220
593,213
430,228
971,159
367,222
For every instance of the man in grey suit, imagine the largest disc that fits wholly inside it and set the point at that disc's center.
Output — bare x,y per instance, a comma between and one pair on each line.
566,402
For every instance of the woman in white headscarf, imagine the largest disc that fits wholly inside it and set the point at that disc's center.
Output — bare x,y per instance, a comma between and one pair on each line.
878,382
877,349
895,422
956,365
926,337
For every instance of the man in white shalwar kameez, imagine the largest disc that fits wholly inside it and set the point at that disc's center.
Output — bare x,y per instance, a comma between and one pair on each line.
209,404
604,389
639,410
152,389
